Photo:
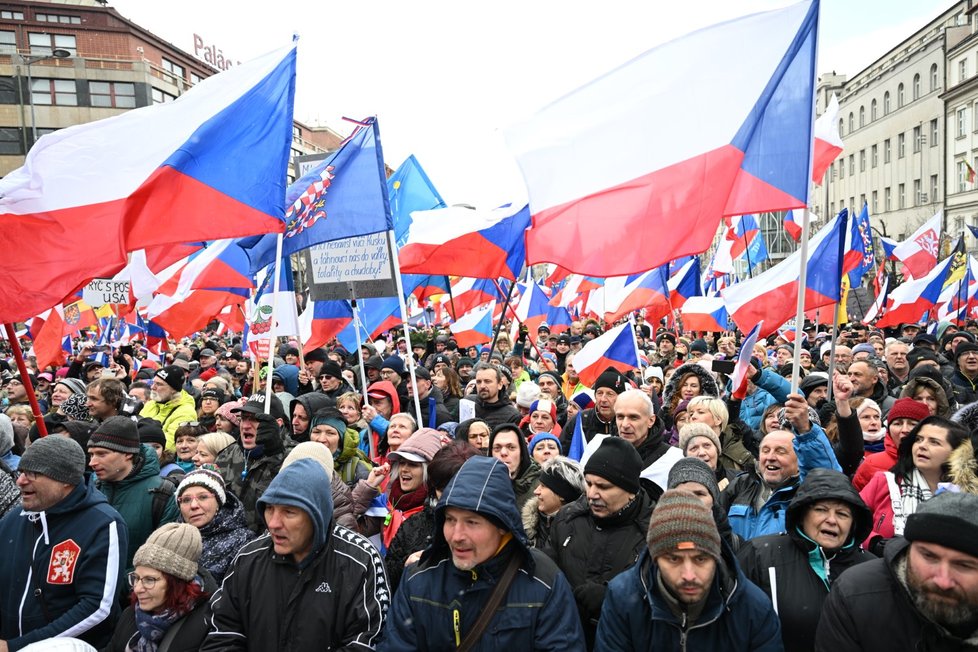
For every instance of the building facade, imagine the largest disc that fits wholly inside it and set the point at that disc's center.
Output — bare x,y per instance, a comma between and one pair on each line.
73,62
961,117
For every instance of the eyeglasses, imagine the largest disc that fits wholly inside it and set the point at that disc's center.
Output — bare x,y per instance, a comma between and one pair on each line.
388,372
200,500
192,424
147,582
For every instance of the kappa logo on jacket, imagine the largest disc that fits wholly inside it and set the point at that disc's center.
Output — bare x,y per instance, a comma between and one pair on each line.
64,557
324,588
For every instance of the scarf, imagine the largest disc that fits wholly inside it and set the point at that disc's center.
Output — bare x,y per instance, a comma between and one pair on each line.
874,442
405,502
906,498
152,628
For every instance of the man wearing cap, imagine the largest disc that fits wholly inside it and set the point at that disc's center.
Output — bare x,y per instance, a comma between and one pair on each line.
128,474
16,391
491,404
815,388
478,535
602,533
249,465
169,403
665,356
331,381
964,380
924,589
433,410
208,361
599,420
308,584
309,374
63,555
686,591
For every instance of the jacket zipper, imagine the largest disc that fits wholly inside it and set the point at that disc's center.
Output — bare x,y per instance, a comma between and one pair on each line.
457,625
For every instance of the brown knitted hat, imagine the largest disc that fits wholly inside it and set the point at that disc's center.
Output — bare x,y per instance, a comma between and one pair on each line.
174,548
682,522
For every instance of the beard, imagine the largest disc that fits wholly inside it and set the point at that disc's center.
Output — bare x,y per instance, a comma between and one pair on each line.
948,607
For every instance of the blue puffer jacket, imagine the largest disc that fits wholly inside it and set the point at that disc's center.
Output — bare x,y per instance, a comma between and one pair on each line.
739,499
770,389
436,603
737,614
61,570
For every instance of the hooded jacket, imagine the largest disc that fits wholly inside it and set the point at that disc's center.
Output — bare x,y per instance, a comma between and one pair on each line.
350,462
133,496
62,569
9,491
171,414
248,473
802,571
437,603
870,607
312,403
336,598
592,551
941,393
373,439
708,386
737,615
496,413
527,476
223,537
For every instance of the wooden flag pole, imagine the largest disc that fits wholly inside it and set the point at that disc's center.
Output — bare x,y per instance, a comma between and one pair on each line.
25,380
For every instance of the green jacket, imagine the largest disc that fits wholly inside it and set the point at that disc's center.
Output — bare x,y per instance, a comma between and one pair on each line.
132,497
171,414
351,463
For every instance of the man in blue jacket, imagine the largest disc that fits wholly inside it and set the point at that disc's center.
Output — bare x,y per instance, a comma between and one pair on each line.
63,554
686,591
478,533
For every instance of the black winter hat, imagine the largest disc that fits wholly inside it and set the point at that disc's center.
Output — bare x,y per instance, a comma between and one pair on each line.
172,375
963,348
150,431
611,379
117,434
332,370
618,462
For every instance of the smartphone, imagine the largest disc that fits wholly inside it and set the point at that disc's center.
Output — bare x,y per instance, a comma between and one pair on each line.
126,349
724,366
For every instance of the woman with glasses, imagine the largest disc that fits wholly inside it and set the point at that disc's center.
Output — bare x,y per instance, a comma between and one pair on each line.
476,432
169,595
206,504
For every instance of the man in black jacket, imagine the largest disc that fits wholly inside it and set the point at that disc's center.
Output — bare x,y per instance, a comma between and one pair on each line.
638,425
601,418
925,589
307,584
602,534
491,405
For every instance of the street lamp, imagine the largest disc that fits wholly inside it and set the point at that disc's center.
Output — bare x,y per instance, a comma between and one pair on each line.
58,53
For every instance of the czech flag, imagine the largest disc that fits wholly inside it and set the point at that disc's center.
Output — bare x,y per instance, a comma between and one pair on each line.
321,321
738,381
649,290
474,328
910,300
209,165
705,314
613,167
772,296
533,308
464,242
918,253
616,348
685,283
828,142
792,227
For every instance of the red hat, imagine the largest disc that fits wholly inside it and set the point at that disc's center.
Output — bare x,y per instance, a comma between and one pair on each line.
908,408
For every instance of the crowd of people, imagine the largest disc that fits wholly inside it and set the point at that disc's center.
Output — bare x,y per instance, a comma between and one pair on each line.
490,499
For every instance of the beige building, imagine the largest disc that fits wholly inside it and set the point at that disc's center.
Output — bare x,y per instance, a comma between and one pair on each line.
961,117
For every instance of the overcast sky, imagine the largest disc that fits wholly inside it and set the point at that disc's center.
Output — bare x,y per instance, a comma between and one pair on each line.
444,76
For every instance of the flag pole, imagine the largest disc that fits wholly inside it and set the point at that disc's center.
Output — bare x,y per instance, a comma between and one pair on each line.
277,270
392,243
835,334
356,328
502,316
638,356
805,229
518,321
750,268
25,379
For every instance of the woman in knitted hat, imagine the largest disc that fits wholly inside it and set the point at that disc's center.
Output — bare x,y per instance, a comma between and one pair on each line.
64,388
328,427
732,433
407,489
169,593
542,417
902,418
701,441
544,446
561,483
227,421
206,504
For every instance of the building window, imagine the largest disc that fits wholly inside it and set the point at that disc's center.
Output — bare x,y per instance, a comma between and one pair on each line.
57,18
852,125
874,156
933,132
916,87
862,160
8,41
852,164
59,92
872,110
174,69
862,116
12,15
10,141
876,197
887,199
832,208
842,168
195,78
962,175
8,91
159,97
962,70
916,140
862,202
933,77
918,196
119,95
902,195
886,150
296,131
901,145
886,103
900,96
962,121
933,189
47,43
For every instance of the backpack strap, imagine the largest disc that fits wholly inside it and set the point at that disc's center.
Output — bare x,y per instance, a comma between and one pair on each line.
495,599
161,496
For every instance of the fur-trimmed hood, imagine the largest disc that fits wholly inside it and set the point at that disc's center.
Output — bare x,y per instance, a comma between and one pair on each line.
967,416
530,516
963,467
708,384
939,391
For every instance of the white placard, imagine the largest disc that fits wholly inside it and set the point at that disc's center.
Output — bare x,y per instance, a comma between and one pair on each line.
101,291
466,410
